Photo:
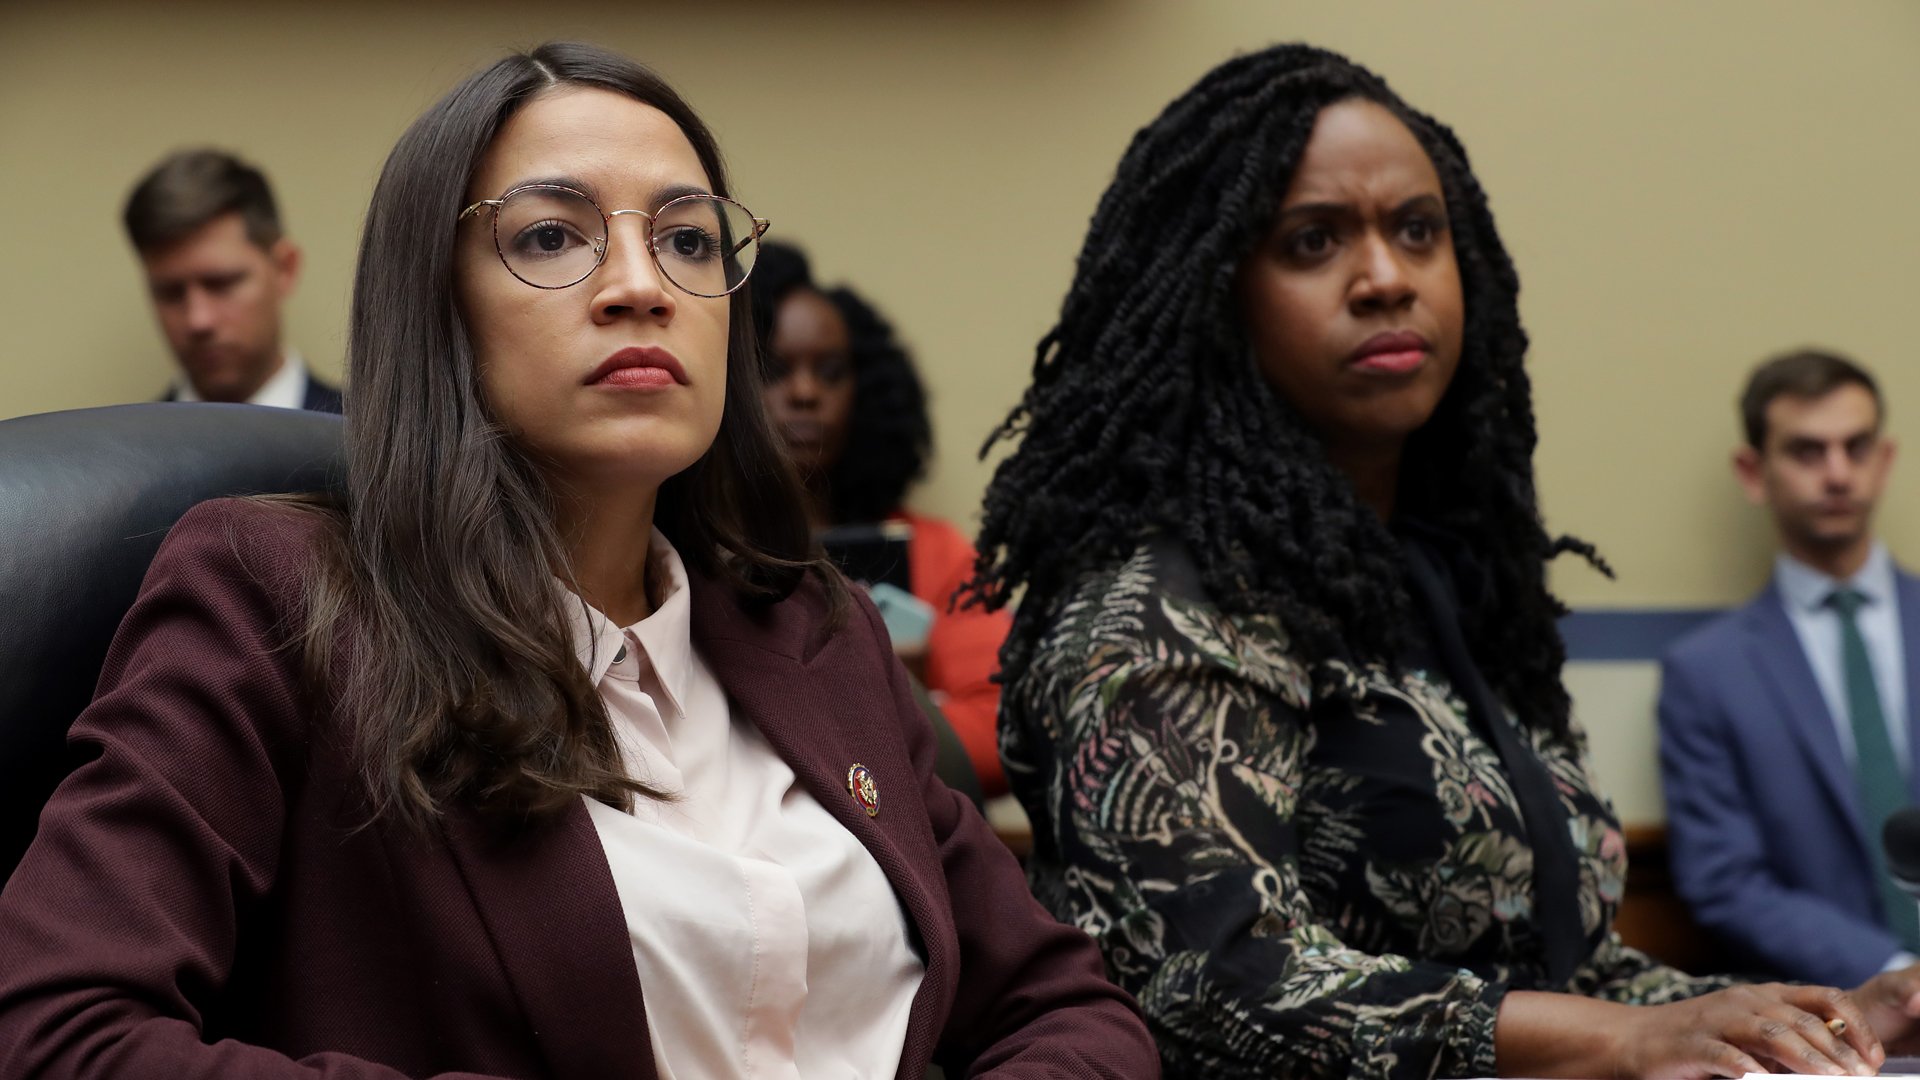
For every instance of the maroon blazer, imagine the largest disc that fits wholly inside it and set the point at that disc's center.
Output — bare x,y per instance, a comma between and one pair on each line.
200,900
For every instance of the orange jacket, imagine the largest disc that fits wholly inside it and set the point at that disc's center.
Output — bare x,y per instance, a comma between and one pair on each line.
963,648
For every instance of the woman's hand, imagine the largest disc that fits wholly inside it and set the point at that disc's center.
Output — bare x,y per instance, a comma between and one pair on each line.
1891,1001
1746,1029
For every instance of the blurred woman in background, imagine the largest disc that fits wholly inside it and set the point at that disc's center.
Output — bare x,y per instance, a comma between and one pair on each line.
843,393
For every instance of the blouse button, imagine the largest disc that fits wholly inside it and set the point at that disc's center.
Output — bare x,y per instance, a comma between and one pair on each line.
621,655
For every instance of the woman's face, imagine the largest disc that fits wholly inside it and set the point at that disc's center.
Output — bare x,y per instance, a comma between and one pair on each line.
1353,302
622,377
809,391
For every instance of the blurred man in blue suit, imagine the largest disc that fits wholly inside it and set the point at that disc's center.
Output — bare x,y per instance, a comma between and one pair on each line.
219,269
1787,727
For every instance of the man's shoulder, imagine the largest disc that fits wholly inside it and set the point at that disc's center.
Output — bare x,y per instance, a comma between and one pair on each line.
1907,580
1709,642
321,396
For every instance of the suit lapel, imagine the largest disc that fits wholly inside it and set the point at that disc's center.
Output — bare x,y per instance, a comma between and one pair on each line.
785,677
549,902
1908,589
802,725
550,908
818,707
1774,650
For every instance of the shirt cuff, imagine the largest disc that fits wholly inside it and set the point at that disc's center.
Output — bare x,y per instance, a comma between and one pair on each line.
1470,1022
1898,960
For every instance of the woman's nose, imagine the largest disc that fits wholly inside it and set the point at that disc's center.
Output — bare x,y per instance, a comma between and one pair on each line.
1384,280
629,281
803,387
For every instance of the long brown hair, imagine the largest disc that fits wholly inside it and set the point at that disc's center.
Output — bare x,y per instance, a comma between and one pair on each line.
461,681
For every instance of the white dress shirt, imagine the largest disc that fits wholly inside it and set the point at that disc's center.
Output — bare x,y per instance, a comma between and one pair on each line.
768,941
284,389
1804,592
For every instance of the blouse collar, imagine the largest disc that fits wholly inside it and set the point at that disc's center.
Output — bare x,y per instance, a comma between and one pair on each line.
665,636
1806,589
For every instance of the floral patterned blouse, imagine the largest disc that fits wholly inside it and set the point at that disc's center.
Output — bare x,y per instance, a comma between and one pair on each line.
1292,890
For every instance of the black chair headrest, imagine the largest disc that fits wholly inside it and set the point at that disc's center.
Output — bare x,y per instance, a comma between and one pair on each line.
85,499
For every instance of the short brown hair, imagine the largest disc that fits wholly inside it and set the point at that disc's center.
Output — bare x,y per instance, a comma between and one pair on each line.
191,188
1804,373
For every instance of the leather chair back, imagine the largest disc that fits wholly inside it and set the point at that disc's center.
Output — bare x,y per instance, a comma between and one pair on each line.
85,498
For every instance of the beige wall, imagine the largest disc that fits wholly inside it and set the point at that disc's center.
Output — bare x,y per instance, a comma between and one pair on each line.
1685,186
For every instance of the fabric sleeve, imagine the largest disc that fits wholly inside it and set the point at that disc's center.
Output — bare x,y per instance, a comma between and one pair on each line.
126,907
1181,760
1033,1001
1719,854
1617,972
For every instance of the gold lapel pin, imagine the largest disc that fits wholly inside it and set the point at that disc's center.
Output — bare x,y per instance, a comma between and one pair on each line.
864,791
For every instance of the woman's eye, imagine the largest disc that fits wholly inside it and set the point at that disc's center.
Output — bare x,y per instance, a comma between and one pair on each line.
689,243
546,239
1421,232
1309,242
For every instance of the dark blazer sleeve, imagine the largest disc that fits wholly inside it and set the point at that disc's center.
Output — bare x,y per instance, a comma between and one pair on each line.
1033,1000
1719,853
126,909
321,398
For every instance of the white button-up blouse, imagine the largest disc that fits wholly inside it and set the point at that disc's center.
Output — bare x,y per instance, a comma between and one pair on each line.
769,943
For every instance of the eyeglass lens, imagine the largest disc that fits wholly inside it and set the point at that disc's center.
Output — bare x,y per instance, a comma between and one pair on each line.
552,238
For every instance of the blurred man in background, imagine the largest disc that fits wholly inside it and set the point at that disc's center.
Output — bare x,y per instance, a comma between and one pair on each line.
219,271
1787,728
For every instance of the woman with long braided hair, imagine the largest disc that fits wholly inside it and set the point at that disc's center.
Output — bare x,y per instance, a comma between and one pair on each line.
1283,692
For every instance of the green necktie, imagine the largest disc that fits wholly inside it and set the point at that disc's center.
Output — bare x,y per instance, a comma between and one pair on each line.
1876,770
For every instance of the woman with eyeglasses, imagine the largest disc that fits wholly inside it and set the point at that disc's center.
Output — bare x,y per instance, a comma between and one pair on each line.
1283,691
548,749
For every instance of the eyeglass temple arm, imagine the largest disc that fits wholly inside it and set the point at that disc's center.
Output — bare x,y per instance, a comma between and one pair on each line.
760,227
476,207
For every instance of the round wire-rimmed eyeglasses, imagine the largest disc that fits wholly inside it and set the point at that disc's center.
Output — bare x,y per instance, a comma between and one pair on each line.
552,237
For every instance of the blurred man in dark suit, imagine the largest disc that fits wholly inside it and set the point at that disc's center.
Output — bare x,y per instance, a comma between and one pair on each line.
1788,727
219,270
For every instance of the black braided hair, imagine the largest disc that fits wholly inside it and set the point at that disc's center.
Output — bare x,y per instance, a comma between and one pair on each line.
779,271
889,436
1147,412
